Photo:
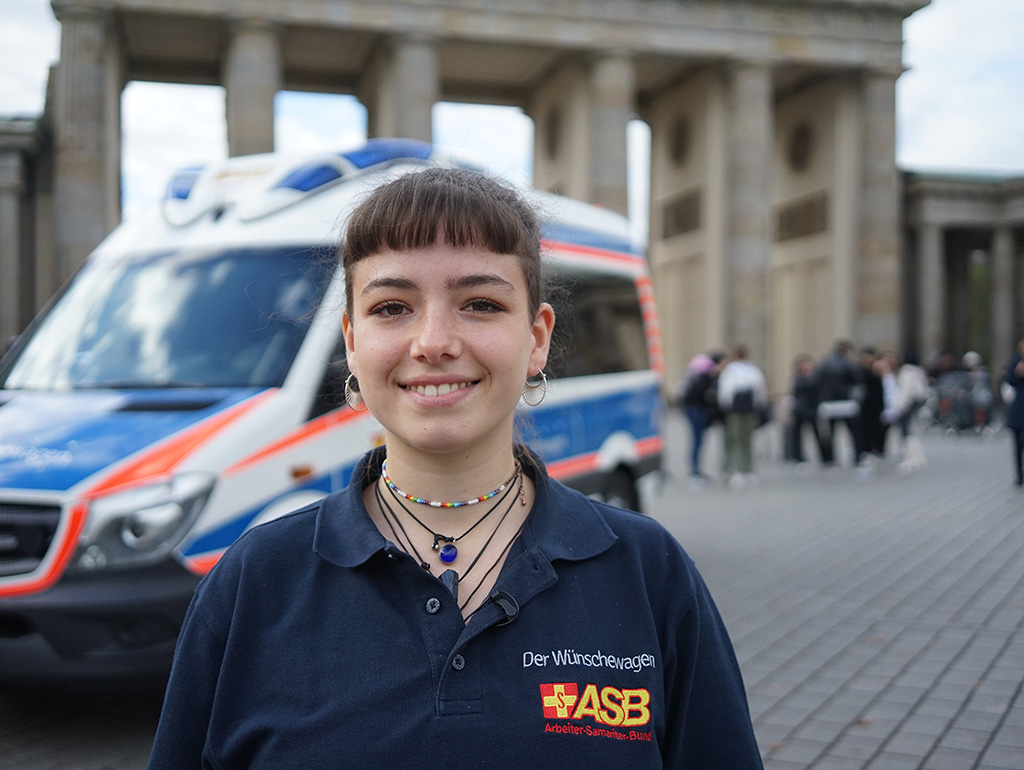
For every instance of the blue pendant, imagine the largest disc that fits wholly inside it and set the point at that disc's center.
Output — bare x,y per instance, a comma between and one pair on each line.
448,553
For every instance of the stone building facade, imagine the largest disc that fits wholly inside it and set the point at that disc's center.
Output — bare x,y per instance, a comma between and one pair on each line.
775,197
963,266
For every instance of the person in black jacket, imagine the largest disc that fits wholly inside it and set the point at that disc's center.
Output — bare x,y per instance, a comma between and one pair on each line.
805,408
1014,377
839,396
699,403
871,431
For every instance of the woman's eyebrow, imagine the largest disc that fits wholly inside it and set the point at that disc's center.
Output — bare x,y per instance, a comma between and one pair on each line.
484,279
388,282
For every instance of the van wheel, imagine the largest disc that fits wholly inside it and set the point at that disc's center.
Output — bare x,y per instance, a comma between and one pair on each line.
620,491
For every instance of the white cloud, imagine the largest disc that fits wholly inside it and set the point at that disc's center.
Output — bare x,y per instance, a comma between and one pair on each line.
166,127
307,122
29,44
961,104
498,138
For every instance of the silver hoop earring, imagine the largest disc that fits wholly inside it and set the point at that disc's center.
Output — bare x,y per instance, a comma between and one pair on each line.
352,396
533,393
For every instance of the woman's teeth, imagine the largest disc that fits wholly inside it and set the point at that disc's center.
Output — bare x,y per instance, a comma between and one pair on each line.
438,390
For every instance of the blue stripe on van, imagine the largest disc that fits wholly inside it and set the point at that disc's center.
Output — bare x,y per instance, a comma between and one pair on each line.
222,537
559,432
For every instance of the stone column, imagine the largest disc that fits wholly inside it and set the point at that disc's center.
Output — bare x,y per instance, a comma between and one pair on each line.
402,88
87,142
748,207
12,290
878,273
561,109
1002,282
931,288
613,95
252,77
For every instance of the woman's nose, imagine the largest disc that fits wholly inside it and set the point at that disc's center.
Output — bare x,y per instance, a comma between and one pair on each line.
436,336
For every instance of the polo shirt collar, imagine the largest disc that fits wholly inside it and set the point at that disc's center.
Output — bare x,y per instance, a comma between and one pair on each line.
561,525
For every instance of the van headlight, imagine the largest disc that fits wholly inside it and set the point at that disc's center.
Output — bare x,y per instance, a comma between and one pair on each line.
143,524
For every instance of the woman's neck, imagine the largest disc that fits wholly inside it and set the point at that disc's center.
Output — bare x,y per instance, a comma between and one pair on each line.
449,478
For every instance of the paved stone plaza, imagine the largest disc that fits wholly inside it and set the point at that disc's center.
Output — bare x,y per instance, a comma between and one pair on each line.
878,619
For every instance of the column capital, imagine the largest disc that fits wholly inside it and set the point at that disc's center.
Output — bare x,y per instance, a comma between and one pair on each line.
413,37
883,73
754,63
99,11
244,23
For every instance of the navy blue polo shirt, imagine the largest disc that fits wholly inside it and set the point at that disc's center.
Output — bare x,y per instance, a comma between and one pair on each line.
315,642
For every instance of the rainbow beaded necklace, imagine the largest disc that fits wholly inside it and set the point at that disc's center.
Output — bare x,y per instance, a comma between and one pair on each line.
436,503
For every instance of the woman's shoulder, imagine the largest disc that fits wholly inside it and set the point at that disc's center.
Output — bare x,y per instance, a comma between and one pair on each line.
259,553
633,537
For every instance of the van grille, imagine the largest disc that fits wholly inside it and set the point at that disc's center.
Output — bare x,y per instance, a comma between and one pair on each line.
26,532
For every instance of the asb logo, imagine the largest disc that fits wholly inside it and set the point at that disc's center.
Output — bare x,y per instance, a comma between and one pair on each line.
607,706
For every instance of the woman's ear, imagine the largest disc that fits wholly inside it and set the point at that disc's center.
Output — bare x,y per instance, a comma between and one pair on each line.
543,326
350,349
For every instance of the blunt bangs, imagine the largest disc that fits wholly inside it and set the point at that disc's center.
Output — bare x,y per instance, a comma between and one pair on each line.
457,207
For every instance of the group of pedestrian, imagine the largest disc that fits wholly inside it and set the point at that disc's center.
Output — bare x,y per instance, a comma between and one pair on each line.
873,397
731,390
865,393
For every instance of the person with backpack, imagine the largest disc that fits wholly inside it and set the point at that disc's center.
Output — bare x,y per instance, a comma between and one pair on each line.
742,397
700,405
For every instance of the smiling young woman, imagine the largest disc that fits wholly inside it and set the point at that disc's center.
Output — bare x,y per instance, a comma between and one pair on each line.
454,604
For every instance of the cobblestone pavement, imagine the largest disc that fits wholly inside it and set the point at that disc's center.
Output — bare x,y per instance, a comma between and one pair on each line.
877,618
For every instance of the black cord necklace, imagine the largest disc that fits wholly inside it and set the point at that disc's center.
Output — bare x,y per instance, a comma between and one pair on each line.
449,552
450,577
392,520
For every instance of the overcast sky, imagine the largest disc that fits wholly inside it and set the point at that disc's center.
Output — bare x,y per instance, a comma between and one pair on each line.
960,105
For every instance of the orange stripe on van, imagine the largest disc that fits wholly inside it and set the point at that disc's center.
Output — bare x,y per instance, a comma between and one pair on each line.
163,458
581,464
593,251
321,424
651,445
65,550
573,466
204,563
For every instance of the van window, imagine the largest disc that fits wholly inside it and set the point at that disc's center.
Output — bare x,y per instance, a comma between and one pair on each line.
599,326
220,318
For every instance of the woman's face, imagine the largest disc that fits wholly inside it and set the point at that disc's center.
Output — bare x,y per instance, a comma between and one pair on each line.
441,342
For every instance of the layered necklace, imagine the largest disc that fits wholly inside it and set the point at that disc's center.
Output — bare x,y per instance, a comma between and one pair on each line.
449,552
444,545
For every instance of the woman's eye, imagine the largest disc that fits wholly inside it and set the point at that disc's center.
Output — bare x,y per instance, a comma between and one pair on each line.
388,309
481,305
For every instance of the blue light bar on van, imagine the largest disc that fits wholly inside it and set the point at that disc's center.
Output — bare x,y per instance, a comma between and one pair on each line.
309,177
382,150
180,185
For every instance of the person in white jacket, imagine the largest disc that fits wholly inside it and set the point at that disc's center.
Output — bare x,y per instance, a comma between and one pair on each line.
742,397
913,388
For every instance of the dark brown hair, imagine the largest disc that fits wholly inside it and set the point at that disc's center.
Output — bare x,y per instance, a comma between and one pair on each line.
457,207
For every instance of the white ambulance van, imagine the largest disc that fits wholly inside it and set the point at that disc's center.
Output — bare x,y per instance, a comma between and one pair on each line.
187,385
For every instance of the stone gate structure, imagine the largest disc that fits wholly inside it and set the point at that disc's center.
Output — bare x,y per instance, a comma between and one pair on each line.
775,197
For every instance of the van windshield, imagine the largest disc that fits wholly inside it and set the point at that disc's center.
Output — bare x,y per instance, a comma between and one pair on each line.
188,318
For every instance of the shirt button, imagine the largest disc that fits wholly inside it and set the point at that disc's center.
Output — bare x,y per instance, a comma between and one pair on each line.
433,605
458,663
